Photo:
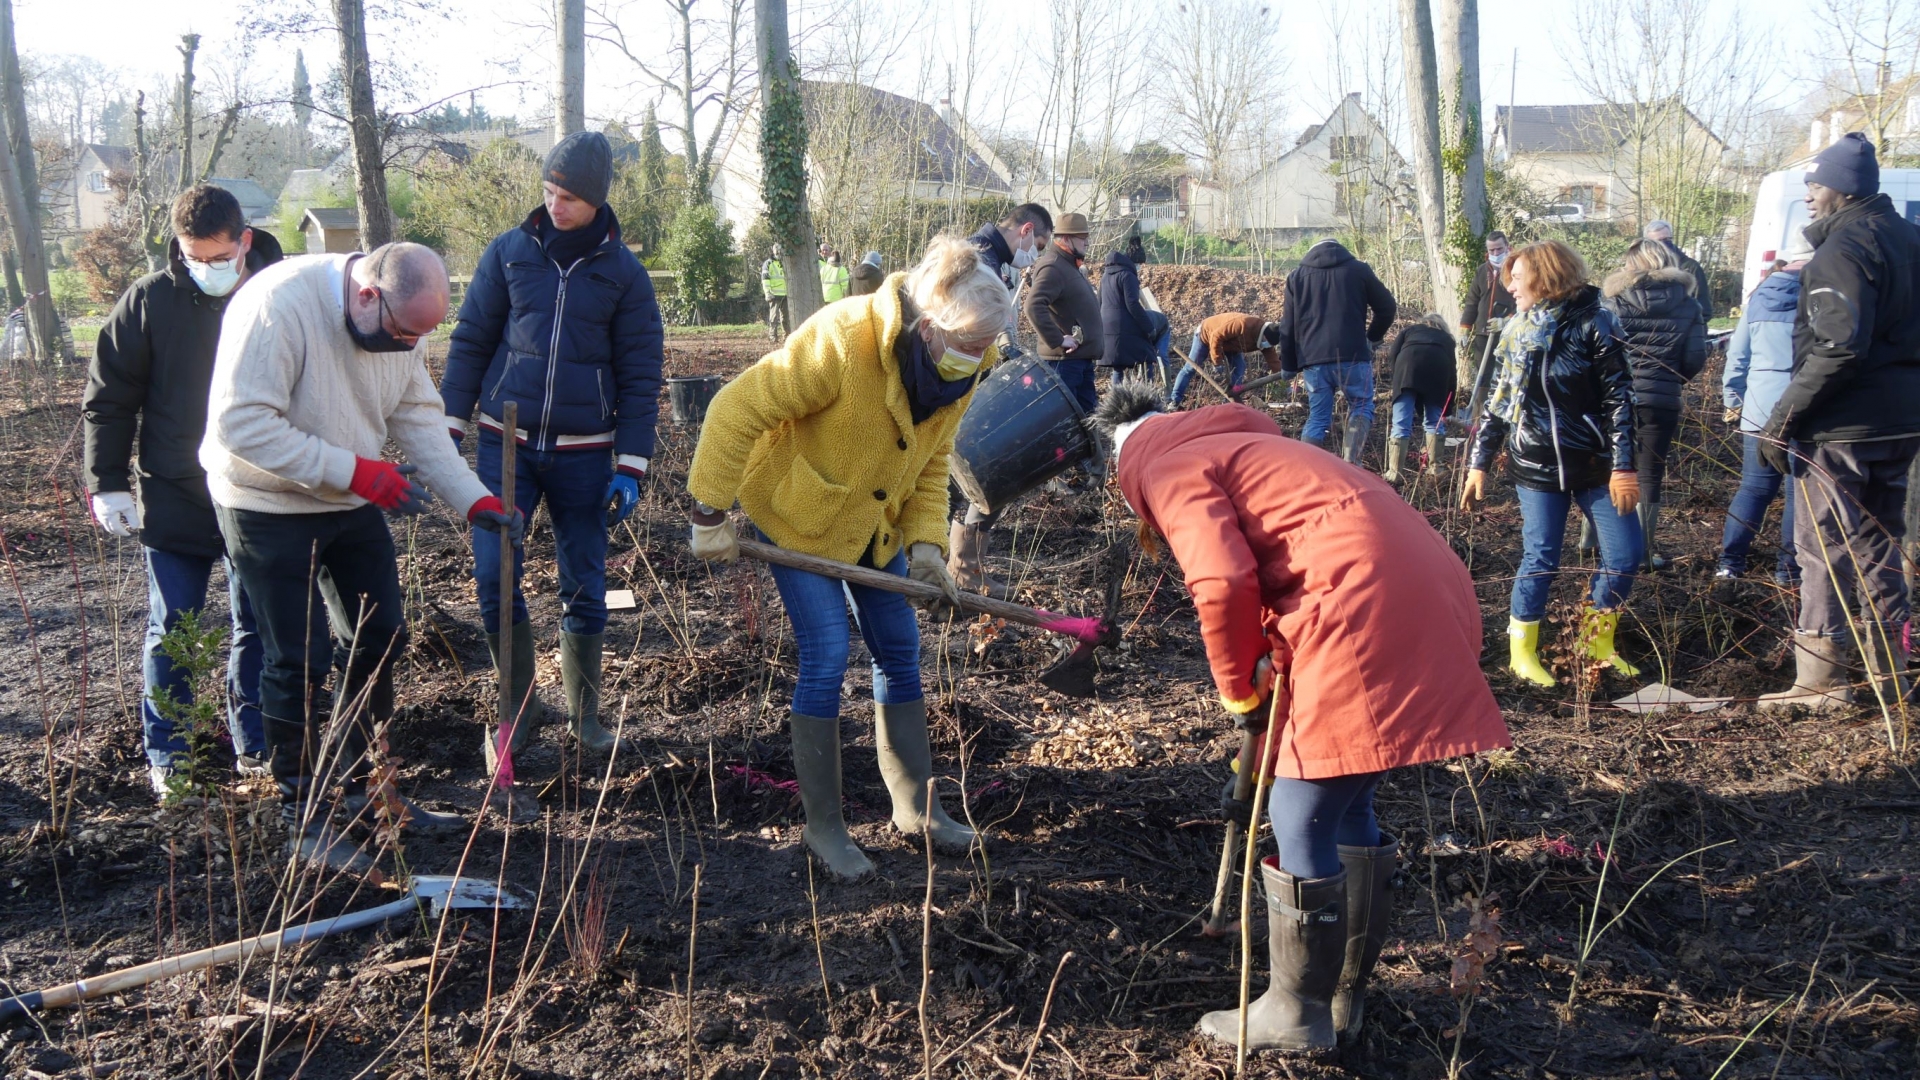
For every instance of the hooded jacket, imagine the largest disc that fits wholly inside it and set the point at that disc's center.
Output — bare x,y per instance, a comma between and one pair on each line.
1130,328
1421,360
1856,333
1328,299
1666,338
1060,298
1286,548
1760,352
577,346
151,371
1575,424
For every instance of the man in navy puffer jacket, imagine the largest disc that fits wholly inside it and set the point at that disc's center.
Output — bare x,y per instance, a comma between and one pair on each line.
561,319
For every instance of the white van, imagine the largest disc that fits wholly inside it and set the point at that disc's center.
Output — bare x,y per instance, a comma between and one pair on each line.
1782,205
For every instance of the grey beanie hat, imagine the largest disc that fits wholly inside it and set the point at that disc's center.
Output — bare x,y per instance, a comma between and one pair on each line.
582,163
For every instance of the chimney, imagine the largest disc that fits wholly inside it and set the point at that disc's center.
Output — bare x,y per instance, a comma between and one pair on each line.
947,116
1816,138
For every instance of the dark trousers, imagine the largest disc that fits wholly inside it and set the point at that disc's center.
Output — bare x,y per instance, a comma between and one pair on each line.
326,595
1078,377
1653,430
177,585
573,484
1848,526
1313,818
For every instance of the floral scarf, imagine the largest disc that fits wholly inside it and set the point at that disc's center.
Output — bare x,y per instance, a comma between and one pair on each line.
1526,333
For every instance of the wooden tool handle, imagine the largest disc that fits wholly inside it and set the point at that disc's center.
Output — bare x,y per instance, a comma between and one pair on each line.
509,443
1265,380
905,586
1200,370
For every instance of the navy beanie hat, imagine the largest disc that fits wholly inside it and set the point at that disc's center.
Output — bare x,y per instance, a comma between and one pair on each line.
582,163
1848,167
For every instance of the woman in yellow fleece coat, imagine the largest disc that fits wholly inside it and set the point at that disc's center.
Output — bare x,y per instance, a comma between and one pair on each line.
836,445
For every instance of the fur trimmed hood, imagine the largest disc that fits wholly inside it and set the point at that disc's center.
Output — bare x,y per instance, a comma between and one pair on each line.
1621,280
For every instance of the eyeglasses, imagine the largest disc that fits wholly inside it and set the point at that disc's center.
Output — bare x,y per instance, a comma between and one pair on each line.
393,324
227,263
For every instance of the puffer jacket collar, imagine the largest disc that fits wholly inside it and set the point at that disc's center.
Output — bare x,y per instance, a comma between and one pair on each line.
1817,231
262,253
537,220
1621,283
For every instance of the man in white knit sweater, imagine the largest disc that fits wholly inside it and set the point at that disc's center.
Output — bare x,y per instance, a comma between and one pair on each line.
321,359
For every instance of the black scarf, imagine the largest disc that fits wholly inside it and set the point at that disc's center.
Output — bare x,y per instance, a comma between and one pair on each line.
927,392
569,246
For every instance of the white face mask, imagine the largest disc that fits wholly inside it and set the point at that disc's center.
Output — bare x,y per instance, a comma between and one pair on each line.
216,278
1498,260
1025,257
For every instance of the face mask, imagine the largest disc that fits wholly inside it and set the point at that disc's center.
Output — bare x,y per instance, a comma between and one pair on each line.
1026,256
1498,260
380,340
215,278
955,365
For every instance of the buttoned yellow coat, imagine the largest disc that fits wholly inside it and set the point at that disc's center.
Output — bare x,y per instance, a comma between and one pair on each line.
817,444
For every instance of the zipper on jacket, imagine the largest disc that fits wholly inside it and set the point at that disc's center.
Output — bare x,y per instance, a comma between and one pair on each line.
600,384
553,342
1553,417
505,370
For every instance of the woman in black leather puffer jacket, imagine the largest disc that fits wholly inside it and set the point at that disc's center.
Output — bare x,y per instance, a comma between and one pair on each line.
1666,347
1561,404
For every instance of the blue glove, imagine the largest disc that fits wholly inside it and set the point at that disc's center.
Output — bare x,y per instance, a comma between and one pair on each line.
623,494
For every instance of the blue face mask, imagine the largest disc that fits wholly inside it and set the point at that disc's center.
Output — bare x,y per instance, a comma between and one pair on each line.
1498,260
217,278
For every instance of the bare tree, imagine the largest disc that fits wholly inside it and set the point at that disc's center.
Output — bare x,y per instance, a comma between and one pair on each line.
1873,50
1213,71
369,161
19,189
1457,49
707,66
1423,123
783,155
570,84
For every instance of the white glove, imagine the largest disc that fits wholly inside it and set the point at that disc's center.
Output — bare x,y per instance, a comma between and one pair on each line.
116,512
1069,343
716,543
925,564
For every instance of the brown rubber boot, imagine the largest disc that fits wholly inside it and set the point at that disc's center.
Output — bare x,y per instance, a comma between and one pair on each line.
1821,682
1306,943
1369,913
906,764
967,548
816,765
1396,457
1886,665
1433,451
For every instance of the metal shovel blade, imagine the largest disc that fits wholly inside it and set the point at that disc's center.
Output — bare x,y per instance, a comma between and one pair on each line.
1072,674
444,891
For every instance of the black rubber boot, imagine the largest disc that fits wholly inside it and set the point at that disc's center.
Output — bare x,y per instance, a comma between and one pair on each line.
411,815
580,677
1306,943
1369,913
314,839
816,765
906,764
527,711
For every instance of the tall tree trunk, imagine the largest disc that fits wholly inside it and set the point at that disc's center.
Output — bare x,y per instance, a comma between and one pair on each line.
15,297
1458,39
369,165
142,193
20,191
783,160
570,85
189,45
1423,102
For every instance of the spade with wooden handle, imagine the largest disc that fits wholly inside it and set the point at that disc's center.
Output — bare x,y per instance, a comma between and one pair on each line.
1071,675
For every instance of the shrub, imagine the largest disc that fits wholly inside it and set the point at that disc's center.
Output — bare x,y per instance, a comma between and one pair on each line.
699,251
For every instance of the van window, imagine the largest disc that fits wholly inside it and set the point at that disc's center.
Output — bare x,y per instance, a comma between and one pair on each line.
1913,211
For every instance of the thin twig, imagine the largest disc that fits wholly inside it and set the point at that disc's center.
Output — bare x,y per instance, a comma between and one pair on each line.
1046,1007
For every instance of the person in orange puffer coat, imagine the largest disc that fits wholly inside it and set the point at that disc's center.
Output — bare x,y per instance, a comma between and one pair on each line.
1329,604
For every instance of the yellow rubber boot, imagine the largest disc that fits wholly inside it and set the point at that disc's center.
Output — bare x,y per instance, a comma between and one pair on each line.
1598,634
1523,645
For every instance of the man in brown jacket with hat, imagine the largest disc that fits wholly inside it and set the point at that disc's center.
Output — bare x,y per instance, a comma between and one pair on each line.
1064,310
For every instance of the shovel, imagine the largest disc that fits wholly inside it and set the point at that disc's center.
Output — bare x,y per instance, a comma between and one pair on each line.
1071,675
518,807
438,892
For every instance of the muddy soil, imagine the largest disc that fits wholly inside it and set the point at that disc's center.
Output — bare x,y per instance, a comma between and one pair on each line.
1757,878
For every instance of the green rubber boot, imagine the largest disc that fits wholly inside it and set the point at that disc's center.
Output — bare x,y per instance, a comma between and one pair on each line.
1306,944
1523,652
816,765
906,763
1369,912
580,676
1598,634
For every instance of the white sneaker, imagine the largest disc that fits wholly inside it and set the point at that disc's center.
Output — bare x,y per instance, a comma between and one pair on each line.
161,777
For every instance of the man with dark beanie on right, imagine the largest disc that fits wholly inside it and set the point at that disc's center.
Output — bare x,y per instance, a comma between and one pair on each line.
1845,430
560,318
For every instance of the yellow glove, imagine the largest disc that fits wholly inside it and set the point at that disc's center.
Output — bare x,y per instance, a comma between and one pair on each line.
1475,489
1624,489
926,564
716,543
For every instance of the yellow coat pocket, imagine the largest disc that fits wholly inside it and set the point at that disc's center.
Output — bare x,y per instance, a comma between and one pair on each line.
807,501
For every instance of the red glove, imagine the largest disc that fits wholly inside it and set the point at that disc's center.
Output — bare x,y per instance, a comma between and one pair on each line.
383,483
489,513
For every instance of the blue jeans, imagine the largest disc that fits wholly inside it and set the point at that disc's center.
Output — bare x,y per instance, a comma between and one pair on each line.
574,485
1405,404
817,606
1312,818
1078,377
1197,354
176,585
1543,530
1353,378
1758,485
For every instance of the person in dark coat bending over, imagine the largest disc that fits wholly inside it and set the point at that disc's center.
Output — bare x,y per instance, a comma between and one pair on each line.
560,318
150,373
1420,363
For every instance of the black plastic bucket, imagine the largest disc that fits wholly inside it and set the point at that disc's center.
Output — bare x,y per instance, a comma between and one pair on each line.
691,395
1022,429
